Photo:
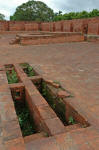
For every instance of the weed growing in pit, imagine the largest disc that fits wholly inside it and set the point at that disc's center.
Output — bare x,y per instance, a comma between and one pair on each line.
26,123
12,77
71,120
56,103
28,69
44,89
57,82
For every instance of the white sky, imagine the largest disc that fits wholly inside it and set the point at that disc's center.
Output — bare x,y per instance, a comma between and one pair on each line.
7,7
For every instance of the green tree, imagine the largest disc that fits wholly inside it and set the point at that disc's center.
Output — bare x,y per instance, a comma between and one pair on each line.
76,15
94,13
2,17
33,10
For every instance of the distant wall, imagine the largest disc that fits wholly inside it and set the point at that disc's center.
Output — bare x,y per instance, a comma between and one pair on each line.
88,26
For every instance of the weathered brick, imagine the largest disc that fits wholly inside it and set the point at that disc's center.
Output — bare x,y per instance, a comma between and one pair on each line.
45,26
32,27
93,28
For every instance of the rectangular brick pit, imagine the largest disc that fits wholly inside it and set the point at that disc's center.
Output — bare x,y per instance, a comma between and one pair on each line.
44,116
33,95
10,72
62,108
11,133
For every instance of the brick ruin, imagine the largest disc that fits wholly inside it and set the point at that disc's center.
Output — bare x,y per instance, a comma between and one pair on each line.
79,30
57,118
87,26
50,118
47,38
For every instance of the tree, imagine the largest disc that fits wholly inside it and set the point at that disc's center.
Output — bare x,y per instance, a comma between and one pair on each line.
76,15
33,11
2,16
94,13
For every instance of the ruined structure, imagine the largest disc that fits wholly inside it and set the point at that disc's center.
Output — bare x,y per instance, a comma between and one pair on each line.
49,93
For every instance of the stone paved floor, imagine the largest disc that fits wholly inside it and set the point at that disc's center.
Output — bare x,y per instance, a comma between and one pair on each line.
76,67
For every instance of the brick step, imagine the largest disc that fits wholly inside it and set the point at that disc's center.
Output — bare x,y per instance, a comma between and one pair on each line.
41,135
39,141
33,137
72,127
14,41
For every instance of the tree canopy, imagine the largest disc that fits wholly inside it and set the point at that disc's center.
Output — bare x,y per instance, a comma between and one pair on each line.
76,15
39,11
2,17
33,11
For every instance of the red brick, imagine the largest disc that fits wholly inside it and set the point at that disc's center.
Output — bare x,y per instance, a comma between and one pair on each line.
45,26
67,26
45,112
93,28
16,27
54,126
58,26
63,94
77,25
11,130
16,144
32,27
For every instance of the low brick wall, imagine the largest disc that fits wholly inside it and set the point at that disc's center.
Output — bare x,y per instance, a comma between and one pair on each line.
92,38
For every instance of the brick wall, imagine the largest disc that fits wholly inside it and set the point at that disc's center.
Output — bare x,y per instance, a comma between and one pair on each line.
32,26
90,26
16,26
45,26
4,25
67,26
58,26
77,25
93,28
52,26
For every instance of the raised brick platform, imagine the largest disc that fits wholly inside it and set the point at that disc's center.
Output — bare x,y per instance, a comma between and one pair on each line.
48,38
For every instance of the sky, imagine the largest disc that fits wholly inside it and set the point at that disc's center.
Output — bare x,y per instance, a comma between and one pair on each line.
8,7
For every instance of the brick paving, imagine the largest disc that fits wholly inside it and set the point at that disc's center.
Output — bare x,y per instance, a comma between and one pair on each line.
76,67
